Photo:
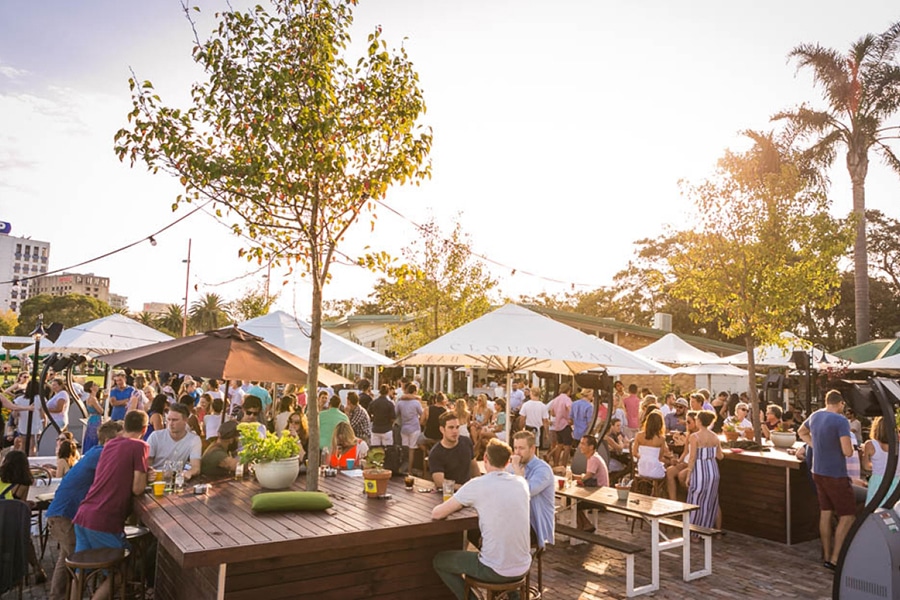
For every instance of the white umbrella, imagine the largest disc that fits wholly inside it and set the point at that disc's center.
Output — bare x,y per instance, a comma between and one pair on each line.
711,369
292,334
103,336
774,355
672,349
513,338
889,364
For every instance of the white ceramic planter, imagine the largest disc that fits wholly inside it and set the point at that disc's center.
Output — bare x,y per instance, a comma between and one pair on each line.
782,439
278,474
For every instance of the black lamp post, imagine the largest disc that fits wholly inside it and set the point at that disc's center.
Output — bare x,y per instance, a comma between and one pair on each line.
39,332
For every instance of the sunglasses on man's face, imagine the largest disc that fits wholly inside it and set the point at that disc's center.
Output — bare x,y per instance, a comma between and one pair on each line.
253,413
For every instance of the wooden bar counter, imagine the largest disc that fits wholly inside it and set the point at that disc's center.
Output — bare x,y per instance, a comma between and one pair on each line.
768,495
213,546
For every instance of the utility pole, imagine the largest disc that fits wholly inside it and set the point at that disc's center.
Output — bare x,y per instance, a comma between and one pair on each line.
187,285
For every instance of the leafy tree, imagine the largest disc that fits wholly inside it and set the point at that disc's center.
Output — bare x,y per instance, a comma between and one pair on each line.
833,327
862,91
336,309
764,247
9,320
254,303
442,285
208,313
884,247
70,310
171,321
289,137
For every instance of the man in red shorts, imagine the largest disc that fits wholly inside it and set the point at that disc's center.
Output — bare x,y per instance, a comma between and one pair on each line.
827,432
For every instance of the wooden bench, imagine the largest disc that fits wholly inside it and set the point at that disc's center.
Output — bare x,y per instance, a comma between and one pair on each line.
626,548
695,529
600,540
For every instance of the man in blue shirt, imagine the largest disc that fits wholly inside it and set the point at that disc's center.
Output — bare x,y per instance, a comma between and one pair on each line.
582,413
119,397
827,431
71,491
541,481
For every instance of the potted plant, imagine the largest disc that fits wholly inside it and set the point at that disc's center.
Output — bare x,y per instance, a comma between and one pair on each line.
375,476
731,431
276,458
782,436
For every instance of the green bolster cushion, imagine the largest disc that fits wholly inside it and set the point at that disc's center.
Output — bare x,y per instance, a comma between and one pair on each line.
280,501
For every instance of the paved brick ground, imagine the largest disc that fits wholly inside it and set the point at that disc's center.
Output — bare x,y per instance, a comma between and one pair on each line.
743,568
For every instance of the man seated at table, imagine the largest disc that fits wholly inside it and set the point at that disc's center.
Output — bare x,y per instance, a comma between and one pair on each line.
525,463
219,459
176,442
121,474
454,456
71,492
502,502
253,414
328,420
595,475
741,420
675,421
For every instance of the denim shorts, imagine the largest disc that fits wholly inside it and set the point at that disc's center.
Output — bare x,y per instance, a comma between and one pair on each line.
88,539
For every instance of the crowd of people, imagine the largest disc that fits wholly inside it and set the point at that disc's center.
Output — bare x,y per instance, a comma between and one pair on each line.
156,421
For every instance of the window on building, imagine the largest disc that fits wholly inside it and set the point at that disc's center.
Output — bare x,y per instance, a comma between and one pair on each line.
16,268
13,306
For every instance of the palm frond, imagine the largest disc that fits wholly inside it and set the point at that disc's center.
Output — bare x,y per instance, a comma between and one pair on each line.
830,71
888,156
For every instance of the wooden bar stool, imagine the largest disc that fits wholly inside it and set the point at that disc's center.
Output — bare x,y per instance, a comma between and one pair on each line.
536,593
87,568
498,590
649,486
138,537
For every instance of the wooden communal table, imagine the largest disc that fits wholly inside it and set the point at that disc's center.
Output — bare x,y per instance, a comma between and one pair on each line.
768,495
649,509
214,546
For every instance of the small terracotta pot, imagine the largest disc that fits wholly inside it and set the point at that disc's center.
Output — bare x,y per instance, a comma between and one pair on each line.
376,481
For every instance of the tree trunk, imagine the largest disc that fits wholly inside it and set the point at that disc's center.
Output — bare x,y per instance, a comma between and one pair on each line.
312,380
751,391
858,167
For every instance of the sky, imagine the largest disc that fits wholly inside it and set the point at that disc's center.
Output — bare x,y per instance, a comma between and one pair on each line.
561,131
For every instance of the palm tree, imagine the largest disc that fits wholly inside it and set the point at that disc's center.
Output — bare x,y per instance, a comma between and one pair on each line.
171,320
209,312
146,318
862,90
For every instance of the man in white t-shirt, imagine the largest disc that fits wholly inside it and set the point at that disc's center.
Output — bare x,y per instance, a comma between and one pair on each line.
176,442
58,404
668,406
235,395
534,415
501,500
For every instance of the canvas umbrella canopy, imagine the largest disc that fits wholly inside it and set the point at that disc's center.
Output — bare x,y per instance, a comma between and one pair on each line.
890,364
712,369
292,334
774,355
103,336
672,349
227,353
513,338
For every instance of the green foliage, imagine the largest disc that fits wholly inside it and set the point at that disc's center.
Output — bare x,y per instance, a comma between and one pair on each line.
209,312
375,457
884,247
9,320
763,248
441,285
862,90
70,310
292,139
256,449
254,303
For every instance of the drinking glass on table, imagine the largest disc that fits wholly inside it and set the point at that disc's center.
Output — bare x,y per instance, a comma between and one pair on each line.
447,488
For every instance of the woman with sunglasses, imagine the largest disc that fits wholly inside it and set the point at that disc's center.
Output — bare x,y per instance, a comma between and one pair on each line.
741,420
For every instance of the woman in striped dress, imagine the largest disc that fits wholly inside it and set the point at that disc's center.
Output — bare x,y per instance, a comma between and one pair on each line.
703,472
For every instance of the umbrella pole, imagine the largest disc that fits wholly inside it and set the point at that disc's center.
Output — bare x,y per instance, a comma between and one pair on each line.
508,407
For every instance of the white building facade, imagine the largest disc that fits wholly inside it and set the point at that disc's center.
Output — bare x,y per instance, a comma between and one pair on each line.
20,258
